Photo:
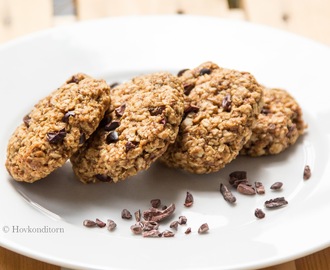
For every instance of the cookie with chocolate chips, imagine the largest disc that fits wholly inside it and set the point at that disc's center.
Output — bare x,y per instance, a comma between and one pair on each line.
56,127
143,119
278,126
221,106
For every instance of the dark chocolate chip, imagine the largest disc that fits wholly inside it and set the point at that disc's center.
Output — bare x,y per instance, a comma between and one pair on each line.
82,138
226,103
112,125
56,137
27,120
67,115
180,73
120,110
103,178
204,71
131,145
187,88
156,110
112,137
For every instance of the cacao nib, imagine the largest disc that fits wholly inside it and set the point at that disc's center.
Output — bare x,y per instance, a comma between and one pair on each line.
112,125
56,137
120,110
67,115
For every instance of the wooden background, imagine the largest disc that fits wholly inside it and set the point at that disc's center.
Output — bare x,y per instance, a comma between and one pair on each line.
309,18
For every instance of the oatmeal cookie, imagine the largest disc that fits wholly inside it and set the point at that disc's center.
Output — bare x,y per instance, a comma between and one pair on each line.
143,119
278,126
221,105
56,127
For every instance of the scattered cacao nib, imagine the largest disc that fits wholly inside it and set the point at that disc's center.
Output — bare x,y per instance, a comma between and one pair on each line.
276,186
114,84
149,225
203,228
125,214
237,177
226,193
155,203
180,73
156,110
67,115
136,229
187,88
226,103
137,215
105,121
189,200
111,225
167,233
154,214
260,189
103,178
100,223
27,120
204,71
74,79
56,137
174,224
164,207
152,233
182,220
189,109
307,172
89,223
112,137
246,189
259,213
276,203
131,145
188,231
82,138
120,110
112,125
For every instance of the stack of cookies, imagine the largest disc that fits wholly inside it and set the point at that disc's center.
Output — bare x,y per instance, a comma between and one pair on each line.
198,121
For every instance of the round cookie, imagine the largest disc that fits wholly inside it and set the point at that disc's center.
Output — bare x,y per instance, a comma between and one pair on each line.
278,126
143,119
56,127
221,105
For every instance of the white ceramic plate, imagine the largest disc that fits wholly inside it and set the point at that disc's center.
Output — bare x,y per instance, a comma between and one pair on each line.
44,220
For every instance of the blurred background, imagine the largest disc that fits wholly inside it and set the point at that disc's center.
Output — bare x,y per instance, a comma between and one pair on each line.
309,18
